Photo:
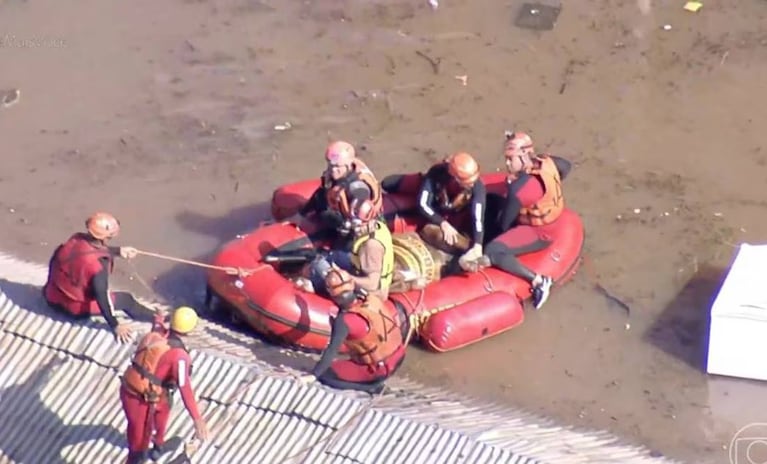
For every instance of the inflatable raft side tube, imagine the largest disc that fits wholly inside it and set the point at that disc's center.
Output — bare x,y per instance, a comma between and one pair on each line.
288,199
472,321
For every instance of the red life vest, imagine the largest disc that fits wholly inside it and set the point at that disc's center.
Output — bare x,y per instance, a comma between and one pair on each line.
384,337
140,377
73,266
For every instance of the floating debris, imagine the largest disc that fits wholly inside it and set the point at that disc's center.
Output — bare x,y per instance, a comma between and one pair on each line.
10,97
464,79
667,27
693,6
537,16
434,4
283,127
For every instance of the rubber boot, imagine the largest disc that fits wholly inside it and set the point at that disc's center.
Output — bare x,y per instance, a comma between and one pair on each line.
136,458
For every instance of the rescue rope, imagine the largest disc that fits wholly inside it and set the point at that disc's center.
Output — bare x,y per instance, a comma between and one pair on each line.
416,318
238,271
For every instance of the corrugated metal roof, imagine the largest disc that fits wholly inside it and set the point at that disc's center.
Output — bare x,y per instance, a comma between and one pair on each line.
59,388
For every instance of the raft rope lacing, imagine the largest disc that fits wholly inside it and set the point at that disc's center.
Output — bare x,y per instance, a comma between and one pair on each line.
420,314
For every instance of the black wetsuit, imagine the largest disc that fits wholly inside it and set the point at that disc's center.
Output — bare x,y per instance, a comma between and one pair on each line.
438,178
318,203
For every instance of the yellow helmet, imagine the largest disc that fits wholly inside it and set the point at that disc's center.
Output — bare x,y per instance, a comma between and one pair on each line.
184,320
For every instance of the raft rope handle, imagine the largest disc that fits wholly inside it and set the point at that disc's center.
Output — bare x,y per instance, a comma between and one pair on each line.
489,288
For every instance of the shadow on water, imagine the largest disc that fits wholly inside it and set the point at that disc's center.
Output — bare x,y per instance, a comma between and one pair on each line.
184,284
682,328
39,434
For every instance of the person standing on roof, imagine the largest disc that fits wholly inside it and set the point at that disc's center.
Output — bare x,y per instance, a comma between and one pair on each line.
534,201
78,276
375,334
160,365
346,180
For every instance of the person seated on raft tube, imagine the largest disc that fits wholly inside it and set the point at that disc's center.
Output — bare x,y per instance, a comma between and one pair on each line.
452,198
534,200
78,276
369,255
374,333
345,180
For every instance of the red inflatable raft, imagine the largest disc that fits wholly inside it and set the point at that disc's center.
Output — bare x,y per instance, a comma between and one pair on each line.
450,313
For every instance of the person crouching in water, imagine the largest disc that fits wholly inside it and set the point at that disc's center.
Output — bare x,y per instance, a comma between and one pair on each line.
374,333
160,365
534,201
78,276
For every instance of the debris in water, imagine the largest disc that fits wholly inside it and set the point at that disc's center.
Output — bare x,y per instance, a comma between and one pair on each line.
637,210
434,62
283,127
613,299
667,27
464,79
693,6
537,16
10,97
434,4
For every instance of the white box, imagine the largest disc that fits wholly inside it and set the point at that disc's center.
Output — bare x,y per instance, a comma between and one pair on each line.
737,344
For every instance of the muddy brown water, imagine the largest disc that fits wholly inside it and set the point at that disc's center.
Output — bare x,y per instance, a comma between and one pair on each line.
163,113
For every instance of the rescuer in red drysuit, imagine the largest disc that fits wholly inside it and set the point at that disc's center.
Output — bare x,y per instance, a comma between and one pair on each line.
160,365
533,202
78,276
374,333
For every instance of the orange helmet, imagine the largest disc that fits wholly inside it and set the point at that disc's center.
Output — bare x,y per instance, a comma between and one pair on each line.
340,153
338,283
518,144
102,226
464,168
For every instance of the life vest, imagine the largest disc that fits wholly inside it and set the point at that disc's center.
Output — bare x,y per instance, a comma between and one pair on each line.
451,197
140,377
74,264
384,337
337,192
383,235
550,206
